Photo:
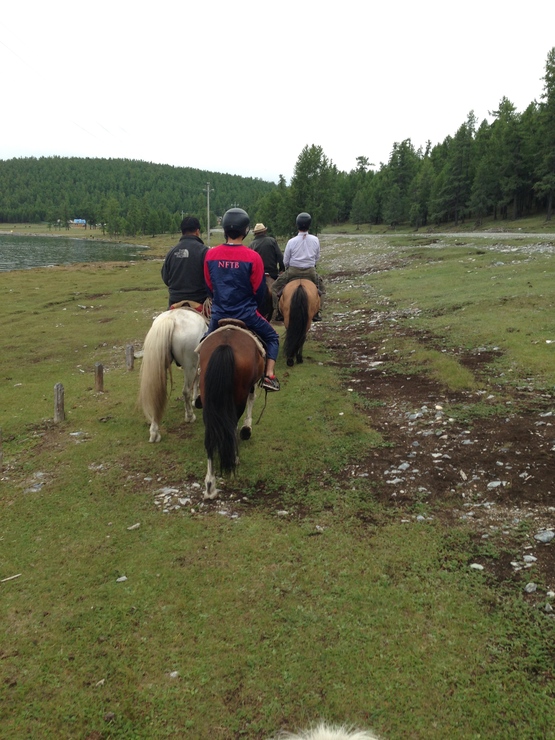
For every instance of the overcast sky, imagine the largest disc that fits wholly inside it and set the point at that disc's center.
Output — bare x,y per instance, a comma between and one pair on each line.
242,87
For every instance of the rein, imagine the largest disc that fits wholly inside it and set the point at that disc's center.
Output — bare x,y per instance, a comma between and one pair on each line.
263,407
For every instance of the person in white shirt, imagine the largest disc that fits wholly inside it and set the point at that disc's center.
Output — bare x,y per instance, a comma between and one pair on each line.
300,257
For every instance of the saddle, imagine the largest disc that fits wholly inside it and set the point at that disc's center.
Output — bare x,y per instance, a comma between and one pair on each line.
236,325
233,322
187,304
202,308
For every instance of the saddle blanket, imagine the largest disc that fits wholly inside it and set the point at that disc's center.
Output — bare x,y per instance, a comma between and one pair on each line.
251,334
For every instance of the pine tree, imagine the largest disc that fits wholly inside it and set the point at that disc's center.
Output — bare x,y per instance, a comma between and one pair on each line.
457,174
313,186
545,183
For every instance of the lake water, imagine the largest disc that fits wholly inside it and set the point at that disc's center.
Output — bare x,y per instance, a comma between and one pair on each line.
25,252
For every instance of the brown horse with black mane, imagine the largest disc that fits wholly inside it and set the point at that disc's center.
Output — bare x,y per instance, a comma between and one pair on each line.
299,302
231,363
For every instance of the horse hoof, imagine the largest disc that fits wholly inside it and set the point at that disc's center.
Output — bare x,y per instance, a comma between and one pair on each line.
299,360
245,433
211,492
290,362
198,402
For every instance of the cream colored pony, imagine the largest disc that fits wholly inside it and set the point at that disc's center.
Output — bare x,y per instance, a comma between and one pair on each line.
328,732
174,335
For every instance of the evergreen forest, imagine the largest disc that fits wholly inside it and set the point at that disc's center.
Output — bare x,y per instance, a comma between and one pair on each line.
503,169
127,197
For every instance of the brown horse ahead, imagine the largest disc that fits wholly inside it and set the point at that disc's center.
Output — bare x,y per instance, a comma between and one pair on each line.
299,302
231,363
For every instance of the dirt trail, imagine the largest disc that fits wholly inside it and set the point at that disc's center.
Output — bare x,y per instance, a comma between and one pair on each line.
496,474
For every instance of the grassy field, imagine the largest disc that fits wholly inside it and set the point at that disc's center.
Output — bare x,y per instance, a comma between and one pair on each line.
533,224
298,596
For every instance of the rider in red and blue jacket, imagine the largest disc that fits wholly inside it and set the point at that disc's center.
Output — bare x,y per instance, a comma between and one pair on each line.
234,275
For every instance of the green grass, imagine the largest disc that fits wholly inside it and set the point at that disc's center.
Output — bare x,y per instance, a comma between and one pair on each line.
416,359
531,224
468,298
337,610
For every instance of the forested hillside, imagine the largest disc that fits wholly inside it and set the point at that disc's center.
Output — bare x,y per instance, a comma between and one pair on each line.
127,196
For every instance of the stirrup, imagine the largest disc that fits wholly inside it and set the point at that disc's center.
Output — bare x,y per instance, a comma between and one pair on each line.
269,384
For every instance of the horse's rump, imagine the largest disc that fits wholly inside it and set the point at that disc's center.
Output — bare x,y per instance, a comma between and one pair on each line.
173,335
298,304
213,338
292,293
248,354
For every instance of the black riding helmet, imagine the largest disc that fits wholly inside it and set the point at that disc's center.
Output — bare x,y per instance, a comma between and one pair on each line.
235,223
303,221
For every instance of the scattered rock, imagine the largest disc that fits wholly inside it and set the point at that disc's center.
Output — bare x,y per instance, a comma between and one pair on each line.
546,536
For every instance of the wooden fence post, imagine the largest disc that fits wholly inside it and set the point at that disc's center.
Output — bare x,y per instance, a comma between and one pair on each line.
130,356
99,377
59,413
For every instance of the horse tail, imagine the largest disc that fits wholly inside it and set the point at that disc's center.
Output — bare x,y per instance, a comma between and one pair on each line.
218,408
157,359
298,321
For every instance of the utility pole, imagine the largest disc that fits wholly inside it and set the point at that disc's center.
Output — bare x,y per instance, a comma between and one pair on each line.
208,213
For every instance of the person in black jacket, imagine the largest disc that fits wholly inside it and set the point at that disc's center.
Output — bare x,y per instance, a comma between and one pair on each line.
267,247
183,268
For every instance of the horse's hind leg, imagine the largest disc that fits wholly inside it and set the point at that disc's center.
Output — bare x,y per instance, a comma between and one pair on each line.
300,357
190,390
155,435
188,403
197,401
195,395
246,429
210,491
